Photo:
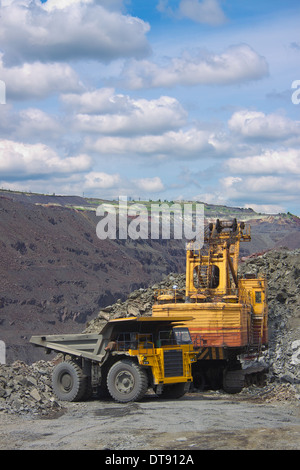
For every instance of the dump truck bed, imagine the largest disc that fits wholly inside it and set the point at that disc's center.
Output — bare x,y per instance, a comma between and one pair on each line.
81,345
91,345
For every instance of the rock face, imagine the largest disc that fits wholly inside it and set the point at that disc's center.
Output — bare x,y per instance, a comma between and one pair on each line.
55,272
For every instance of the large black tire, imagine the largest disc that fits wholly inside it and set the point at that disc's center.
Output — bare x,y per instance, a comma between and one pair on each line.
233,381
173,391
69,382
127,381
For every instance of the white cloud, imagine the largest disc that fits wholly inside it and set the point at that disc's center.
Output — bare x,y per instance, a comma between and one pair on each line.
38,80
192,143
122,115
35,123
97,183
101,180
210,198
30,125
59,31
61,4
238,64
256,124
51,5
269,162
200,11
103,100
271,194
149,185
266,208
271,184
260,184
58,184
26,160
205,11
229,181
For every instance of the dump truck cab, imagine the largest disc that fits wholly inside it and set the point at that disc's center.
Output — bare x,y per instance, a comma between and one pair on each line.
125,359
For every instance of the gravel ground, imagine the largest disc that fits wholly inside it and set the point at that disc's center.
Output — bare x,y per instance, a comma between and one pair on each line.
255,419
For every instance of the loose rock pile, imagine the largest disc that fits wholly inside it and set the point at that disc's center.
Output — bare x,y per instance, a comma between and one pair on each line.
139,302
27,389
273,392
282,270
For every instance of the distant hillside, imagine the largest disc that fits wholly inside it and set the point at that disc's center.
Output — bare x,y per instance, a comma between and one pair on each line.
56,274
268,231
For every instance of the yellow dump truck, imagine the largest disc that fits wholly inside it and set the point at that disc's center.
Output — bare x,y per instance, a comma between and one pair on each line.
125,359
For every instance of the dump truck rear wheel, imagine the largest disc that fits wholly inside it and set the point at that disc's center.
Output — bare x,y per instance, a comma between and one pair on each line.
127,381
69,382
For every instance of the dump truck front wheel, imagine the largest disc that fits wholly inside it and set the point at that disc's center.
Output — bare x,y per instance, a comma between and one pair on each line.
127,381
68,381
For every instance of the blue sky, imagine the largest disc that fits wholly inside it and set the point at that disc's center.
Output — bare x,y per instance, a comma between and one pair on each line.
157,99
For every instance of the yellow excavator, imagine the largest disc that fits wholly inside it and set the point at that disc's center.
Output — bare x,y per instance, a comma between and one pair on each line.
230,313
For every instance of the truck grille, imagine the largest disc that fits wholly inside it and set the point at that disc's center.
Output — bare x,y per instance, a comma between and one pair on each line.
173,363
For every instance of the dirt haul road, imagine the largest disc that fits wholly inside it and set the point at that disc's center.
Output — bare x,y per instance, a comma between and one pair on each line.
210,420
